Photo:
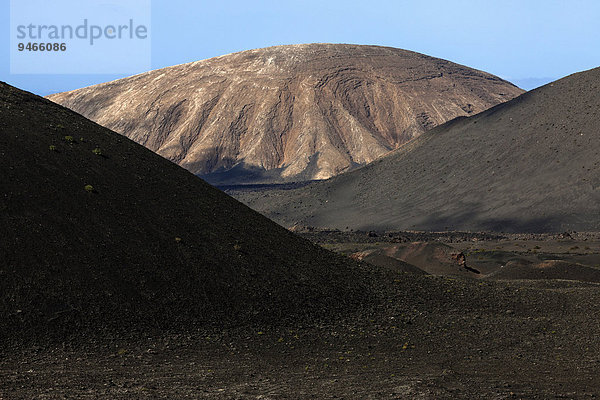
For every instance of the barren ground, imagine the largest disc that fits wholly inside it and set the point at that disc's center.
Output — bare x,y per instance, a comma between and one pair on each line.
466,338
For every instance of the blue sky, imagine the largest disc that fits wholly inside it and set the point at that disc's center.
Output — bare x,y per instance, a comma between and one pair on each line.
526,42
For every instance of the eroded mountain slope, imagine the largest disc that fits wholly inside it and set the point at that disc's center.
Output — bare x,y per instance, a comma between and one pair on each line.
294,112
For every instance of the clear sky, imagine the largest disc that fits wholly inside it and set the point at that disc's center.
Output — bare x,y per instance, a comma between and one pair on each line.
526,42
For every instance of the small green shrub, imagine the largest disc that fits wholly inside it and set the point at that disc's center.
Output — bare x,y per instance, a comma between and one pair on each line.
97,151
53,148
89,188
69,139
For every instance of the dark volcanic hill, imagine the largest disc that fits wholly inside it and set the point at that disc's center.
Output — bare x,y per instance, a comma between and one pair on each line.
531,164
290,113
100,233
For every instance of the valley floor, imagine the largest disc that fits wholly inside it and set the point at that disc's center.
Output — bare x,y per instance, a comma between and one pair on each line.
460,338
521,339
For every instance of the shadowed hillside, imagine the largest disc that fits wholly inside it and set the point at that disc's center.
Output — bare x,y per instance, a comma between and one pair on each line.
100,233
531,164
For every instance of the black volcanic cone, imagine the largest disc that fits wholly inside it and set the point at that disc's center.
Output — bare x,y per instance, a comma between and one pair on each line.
99,233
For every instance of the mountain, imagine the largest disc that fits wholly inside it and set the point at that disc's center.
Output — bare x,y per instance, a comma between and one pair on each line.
101,234
531,164
288,113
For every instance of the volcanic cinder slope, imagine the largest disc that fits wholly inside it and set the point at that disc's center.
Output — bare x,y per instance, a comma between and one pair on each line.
292,113
531,164
99,233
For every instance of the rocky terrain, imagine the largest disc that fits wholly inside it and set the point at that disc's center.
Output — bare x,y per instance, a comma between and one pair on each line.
481,256
528,165
124,276
288,113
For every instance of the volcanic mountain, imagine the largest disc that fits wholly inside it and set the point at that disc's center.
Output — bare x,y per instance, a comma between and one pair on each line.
100,233
124,276
288,113
531,164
